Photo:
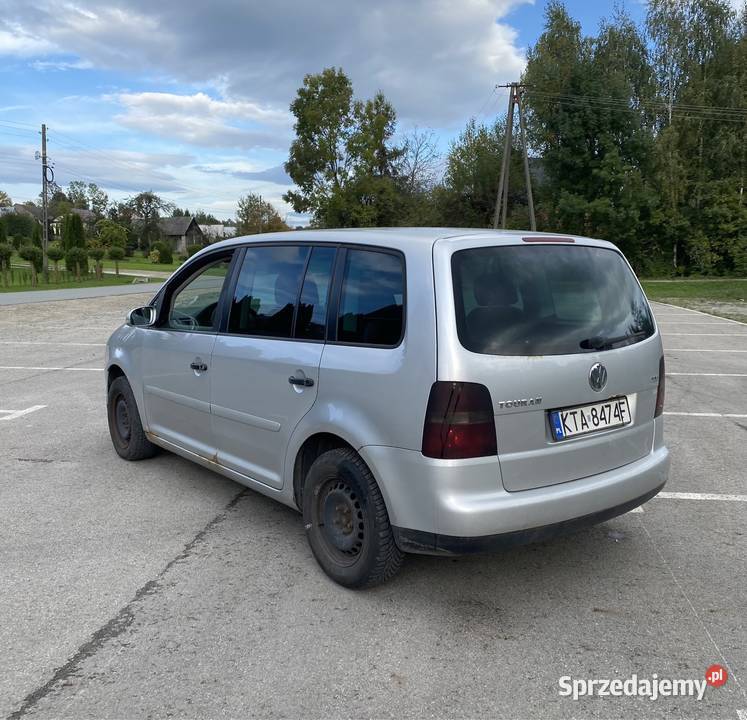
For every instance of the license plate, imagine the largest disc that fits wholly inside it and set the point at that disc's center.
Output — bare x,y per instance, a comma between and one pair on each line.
584,419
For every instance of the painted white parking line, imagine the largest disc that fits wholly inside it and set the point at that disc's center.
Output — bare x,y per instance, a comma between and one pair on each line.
701,496
707,414
56,344
700,312
708,374
639,509
13,414
671,334
27,367
699,350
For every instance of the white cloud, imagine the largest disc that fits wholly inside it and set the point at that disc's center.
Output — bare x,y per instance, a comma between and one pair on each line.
14,40
43,65
201,120
435,59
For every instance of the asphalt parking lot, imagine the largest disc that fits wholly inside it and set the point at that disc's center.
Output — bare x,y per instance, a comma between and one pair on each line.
160,589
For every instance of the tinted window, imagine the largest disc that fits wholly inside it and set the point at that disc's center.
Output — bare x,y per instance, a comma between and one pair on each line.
547,300
267,291
372,294
311,319
194,307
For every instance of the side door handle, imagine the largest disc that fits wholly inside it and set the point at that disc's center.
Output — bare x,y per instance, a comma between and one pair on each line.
304,381
198,366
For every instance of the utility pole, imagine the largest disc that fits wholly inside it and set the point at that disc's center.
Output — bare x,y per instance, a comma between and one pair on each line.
45,219
501,201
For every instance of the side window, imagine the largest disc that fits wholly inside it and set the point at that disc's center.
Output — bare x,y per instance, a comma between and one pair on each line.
373,290
194,306
311,319
267,290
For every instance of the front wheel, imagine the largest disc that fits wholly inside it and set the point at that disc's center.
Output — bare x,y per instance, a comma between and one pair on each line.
346,521
125,428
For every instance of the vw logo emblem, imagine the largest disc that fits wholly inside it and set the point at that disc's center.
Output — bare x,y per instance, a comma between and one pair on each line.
597,377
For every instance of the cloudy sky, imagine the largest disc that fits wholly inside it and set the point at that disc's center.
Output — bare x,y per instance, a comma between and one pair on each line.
190,100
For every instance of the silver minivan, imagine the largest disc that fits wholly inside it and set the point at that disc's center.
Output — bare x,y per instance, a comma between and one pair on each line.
425,390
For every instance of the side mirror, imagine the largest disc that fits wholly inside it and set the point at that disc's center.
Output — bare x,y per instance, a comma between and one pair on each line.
142,316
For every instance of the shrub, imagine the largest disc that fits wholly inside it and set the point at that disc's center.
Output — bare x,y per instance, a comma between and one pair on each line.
55,253
76,260
96,253
116,254
164,252
154,257
6,252
192,249
33,255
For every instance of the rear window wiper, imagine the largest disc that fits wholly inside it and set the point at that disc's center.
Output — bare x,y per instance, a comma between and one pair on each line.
599,342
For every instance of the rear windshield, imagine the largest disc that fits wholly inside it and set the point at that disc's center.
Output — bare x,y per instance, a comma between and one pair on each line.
547,300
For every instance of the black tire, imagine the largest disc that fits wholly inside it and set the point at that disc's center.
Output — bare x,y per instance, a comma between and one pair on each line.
125,428
346,521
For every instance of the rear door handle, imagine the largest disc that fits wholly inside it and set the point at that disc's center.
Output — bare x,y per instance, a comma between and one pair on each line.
198,366
304,381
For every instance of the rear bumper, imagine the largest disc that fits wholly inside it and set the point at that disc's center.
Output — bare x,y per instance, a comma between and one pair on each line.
461,506
425,543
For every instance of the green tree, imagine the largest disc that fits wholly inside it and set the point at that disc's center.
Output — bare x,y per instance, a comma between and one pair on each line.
467,194
76,194
55,253
343,160
96,251
76,260
73,234
6,253
117,254
255,215
111,233
5,200
87,196
36,235
74,244
19,226
33,255
588,119
147,208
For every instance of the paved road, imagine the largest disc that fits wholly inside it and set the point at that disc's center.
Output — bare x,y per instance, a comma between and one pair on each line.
160,589
38,296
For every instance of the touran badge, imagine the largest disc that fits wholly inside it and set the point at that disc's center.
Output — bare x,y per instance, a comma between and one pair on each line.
597,377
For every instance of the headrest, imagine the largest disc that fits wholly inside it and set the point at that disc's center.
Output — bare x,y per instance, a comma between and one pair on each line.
492,290
286,287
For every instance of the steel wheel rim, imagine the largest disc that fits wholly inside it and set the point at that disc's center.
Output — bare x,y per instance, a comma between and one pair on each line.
122,419
339,518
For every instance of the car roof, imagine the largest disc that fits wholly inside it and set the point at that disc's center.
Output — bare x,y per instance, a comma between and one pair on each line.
404,238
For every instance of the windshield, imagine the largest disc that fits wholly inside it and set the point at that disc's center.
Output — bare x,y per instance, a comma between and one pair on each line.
547,300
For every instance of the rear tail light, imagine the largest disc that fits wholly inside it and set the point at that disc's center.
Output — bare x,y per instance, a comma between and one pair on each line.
459,421
660,392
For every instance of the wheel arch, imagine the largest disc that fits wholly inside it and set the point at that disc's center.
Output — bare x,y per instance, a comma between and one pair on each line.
311,448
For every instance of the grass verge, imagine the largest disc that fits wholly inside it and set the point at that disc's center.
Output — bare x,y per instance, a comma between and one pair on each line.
727,297
89,282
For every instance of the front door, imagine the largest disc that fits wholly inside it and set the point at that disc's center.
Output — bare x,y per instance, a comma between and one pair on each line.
176,360
266,367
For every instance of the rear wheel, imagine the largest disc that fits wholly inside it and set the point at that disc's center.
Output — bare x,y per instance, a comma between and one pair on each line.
346,521
125,428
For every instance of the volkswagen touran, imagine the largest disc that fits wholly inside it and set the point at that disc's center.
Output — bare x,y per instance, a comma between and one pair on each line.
423,390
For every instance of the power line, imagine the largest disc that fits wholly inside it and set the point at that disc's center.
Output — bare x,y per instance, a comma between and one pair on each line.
683,111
